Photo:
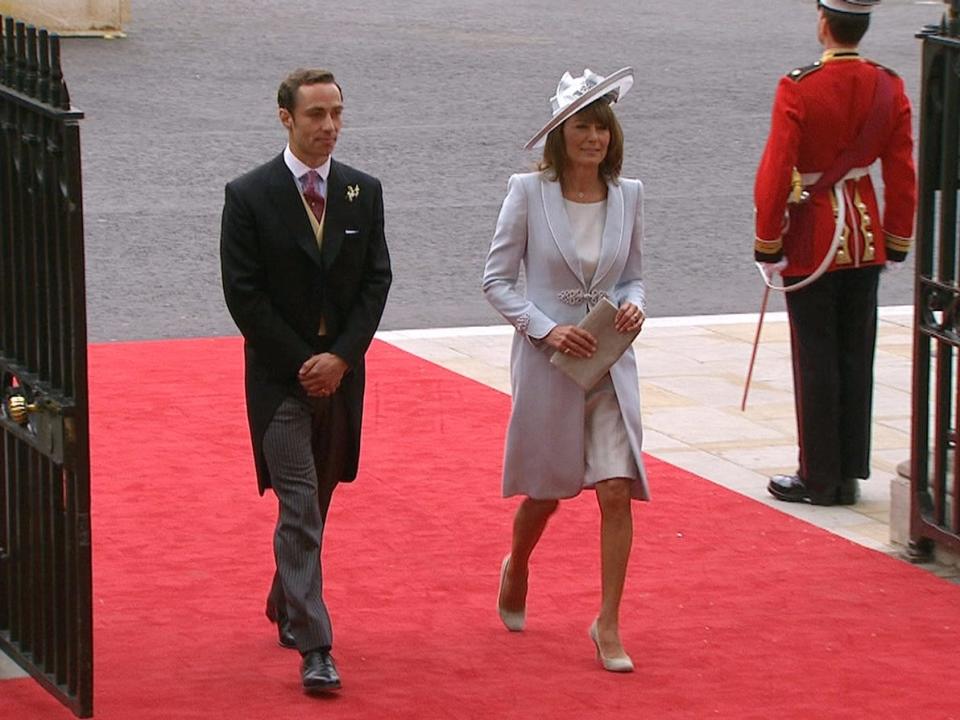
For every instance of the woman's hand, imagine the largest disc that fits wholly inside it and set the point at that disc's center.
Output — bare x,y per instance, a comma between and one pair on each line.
629,318
571,340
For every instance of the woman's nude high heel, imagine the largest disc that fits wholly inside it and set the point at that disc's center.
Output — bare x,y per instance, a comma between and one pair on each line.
620,664
513,619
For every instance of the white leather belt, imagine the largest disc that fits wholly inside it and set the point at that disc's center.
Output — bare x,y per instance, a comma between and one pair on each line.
854,174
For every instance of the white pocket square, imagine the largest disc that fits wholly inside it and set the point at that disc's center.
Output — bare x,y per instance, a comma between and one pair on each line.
351,232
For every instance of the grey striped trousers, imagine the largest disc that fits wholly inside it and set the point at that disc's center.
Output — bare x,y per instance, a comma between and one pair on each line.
297,587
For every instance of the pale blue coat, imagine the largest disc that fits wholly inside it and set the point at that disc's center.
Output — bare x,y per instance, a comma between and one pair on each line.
544,456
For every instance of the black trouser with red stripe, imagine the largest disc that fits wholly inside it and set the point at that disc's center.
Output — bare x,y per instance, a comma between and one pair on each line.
833,333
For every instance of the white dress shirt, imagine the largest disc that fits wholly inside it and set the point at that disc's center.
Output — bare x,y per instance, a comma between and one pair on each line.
299,170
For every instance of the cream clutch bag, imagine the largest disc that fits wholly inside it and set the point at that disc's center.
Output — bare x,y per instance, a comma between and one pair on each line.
611,344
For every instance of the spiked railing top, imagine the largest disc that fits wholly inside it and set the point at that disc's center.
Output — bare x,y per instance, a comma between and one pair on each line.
30,63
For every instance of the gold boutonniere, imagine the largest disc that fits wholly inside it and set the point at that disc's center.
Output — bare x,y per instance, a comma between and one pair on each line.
352,192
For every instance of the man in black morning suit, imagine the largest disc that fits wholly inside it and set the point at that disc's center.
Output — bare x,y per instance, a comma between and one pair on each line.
305,276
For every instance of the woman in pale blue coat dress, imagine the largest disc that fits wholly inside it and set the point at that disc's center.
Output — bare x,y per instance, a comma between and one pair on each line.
575,228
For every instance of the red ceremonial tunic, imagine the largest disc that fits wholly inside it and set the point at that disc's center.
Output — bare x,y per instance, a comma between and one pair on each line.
818,112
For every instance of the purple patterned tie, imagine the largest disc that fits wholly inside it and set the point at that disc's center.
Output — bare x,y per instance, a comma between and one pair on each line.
311,193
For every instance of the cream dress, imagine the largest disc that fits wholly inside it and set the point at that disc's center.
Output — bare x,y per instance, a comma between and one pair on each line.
607,452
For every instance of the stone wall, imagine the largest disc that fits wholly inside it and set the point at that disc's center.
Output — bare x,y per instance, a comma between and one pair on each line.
71,17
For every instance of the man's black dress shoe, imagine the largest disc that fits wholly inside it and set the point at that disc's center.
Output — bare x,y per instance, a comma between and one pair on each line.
790,488
319,673
284,637
849,492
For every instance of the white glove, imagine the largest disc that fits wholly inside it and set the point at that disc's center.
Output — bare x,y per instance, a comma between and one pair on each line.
770,270
892,266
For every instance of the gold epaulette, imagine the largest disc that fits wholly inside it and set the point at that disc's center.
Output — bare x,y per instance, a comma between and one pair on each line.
798,74
883,67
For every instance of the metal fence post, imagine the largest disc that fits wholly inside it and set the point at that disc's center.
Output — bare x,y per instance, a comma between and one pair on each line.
45,558
935,455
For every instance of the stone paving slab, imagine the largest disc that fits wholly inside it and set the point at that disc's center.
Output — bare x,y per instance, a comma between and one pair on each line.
9,669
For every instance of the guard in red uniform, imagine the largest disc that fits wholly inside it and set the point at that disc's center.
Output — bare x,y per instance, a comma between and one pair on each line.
818,223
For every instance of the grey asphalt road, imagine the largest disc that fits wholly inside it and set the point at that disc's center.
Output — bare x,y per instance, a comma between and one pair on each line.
440,96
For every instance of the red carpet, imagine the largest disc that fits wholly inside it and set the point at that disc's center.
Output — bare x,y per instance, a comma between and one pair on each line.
732,610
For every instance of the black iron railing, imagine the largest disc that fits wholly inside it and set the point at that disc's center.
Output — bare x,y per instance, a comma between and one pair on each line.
45,574
935,452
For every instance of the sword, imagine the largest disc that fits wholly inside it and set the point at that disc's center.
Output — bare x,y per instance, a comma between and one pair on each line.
756,344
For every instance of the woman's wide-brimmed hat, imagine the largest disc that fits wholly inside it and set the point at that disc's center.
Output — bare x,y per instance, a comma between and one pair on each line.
574,94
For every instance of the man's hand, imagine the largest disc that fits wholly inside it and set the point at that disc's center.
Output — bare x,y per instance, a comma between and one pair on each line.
893,266
770,270
321,374
571,340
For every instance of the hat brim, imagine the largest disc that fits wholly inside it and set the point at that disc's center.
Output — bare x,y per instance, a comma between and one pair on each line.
848,8
621,81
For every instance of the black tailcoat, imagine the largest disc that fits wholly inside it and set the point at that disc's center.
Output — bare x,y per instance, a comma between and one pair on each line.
278,285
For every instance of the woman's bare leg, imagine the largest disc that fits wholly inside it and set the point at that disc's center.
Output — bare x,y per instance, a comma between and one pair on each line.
528,525
616,539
